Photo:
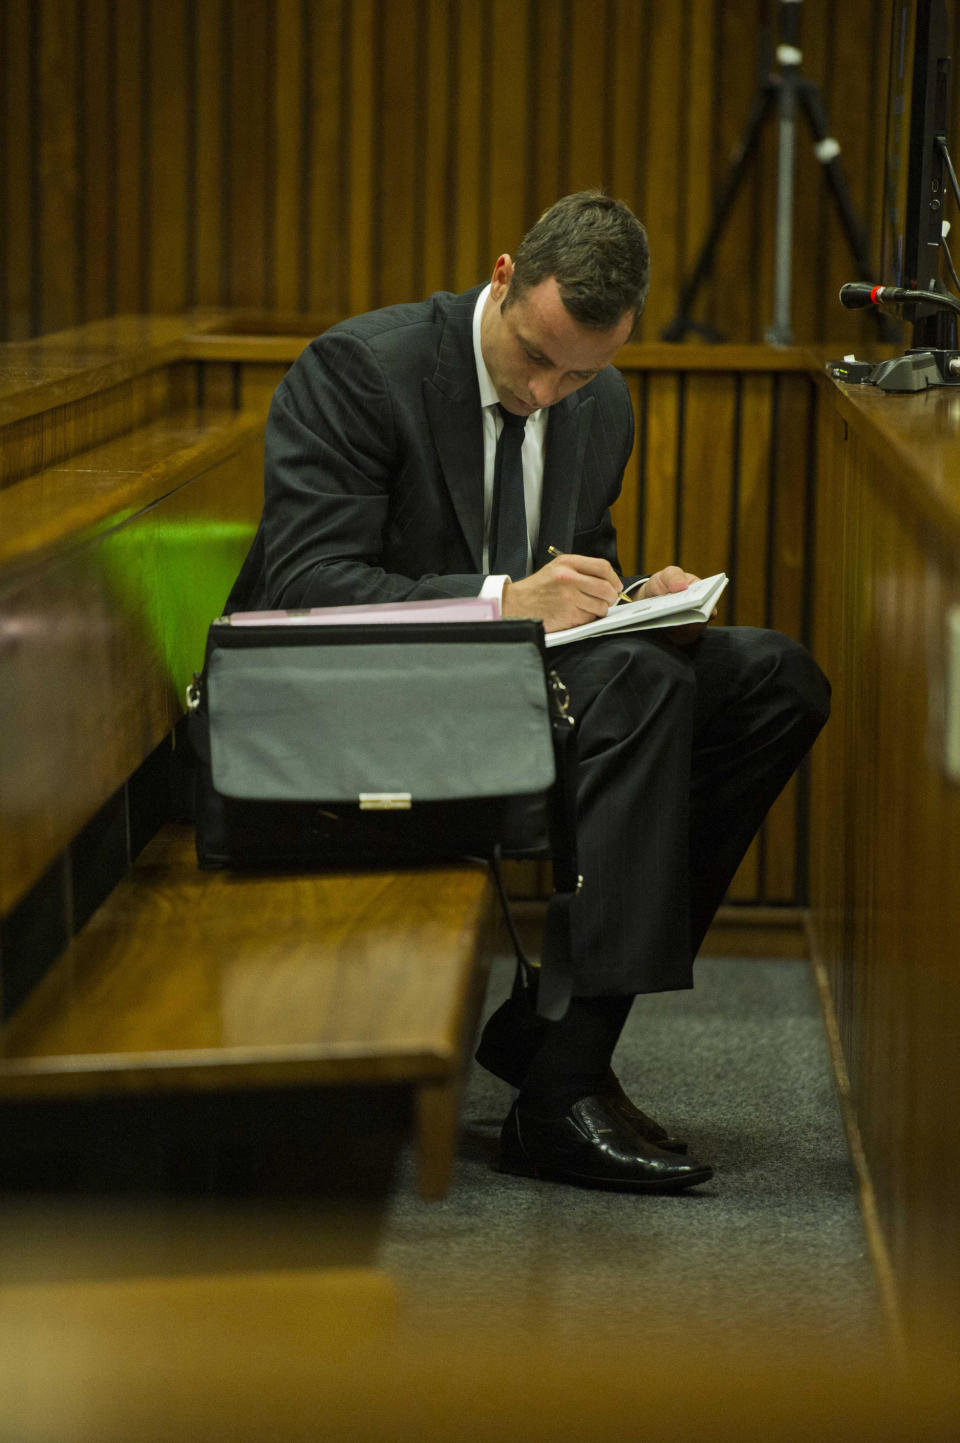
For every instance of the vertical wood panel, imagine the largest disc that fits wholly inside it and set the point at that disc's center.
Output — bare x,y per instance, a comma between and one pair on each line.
96,240
167,161
361,64
471,262
57,160
432,270
587,97
16,172
707,477
327,155
397,223
548,55
661,430
208,263
288,119
131,160
249,121
507,123
664,42
326,249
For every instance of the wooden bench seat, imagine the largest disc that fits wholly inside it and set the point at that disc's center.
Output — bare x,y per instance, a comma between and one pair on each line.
197,980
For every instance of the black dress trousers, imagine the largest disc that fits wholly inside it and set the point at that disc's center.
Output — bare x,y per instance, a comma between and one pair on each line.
682,751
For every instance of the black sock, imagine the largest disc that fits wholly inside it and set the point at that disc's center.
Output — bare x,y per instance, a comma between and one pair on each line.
574,1057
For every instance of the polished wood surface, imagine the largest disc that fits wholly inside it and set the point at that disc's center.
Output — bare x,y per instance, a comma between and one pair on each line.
62,504
190,980
112,564
337,156
184,976
886,817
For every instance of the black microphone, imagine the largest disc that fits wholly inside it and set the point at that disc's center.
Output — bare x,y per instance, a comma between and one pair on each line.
858,294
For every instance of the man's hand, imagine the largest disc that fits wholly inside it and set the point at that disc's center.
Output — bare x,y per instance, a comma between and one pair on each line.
671,579
568,591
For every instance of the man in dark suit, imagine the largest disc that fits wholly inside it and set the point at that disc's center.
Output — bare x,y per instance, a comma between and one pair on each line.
450,448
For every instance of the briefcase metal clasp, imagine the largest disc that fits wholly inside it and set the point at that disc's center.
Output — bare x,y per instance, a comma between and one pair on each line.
385,801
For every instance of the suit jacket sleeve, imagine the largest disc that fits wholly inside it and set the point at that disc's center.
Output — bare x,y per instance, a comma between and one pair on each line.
352,512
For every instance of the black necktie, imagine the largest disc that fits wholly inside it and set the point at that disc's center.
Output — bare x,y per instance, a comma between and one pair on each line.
508,529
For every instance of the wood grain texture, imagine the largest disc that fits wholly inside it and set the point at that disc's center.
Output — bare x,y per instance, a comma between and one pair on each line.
193,979
125,519
886,824
334,156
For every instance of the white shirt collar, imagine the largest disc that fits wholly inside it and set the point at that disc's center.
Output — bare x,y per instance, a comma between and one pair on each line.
488,391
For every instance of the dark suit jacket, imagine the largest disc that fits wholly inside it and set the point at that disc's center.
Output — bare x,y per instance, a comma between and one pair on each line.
374,466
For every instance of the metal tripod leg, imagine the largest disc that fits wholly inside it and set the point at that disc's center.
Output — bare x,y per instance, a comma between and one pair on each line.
703,265
827,152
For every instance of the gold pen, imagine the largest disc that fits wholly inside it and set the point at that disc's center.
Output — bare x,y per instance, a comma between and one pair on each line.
621,595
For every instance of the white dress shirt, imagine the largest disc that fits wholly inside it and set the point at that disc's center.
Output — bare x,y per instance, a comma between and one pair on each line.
534,441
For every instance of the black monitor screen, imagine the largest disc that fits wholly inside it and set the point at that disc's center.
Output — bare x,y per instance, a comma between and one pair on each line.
913,193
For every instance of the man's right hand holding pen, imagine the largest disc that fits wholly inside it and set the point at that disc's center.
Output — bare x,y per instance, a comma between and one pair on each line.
572,590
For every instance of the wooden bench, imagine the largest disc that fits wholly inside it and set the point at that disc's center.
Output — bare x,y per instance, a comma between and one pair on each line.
190,980
128,495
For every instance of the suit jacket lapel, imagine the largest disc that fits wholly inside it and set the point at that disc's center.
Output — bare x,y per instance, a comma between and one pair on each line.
452,400
567,432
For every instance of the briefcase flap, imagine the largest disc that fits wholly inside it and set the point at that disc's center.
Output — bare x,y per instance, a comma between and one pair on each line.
332,723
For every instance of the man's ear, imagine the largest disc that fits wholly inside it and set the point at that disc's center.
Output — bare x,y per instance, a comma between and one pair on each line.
501,278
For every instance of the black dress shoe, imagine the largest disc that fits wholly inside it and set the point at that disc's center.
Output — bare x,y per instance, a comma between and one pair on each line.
512,1036
591,1145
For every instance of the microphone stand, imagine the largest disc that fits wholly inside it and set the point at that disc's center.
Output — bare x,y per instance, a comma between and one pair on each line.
920,367
788,92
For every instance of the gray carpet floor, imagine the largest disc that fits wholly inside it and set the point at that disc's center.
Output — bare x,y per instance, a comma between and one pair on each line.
775,1242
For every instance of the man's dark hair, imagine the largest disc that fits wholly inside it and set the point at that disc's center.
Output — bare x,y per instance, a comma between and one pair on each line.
597,251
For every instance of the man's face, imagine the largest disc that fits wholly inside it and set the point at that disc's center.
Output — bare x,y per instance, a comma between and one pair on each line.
535,351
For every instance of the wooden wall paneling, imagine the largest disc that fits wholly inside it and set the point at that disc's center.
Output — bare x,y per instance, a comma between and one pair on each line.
17,192
664,123
749,539
861,140
699,121
755,444
291,116
362,62
549,81
472,262
168,221
219,384
828,819
57,161
433,269
130,288
250,126
732,303
331,187
587,98
397,194
207,270
504,127
788,560
627,82
96,121
810,220
30,444
705,482
661,431
258,381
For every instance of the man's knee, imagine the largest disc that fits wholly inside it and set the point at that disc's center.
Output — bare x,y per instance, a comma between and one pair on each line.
789,675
